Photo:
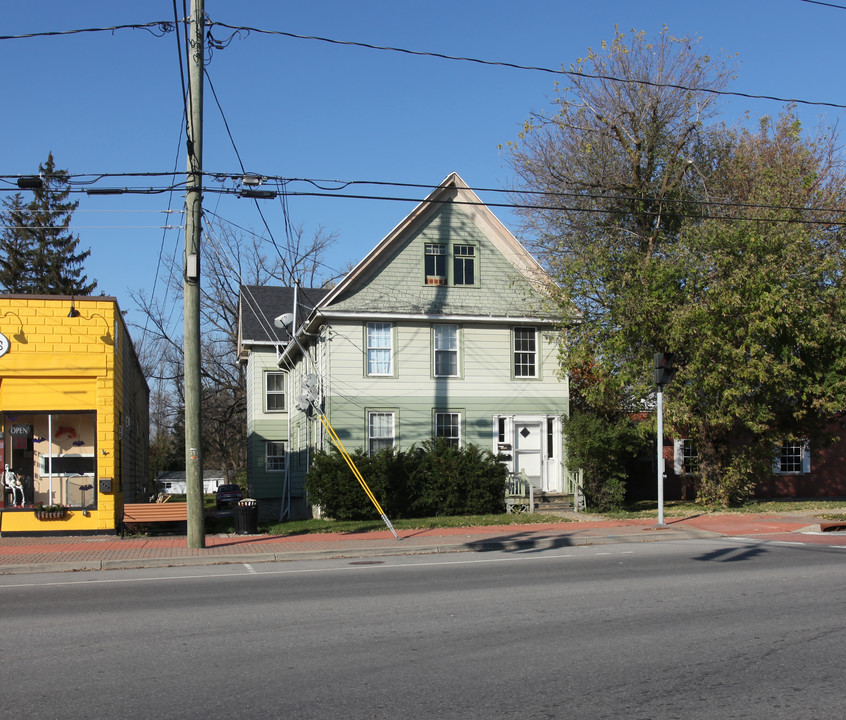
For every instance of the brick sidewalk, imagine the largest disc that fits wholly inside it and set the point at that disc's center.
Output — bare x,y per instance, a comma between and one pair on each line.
47,554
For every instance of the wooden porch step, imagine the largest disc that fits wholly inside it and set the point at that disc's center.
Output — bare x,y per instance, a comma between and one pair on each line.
553,502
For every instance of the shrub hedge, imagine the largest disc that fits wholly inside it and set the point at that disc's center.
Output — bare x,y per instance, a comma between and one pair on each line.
426,481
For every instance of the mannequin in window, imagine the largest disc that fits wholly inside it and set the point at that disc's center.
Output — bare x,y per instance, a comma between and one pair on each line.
13,484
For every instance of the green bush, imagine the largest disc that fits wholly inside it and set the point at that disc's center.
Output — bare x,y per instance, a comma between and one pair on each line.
430,480
456,481
606,449
331,484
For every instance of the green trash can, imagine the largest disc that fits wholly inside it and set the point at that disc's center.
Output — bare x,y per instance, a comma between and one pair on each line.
246,517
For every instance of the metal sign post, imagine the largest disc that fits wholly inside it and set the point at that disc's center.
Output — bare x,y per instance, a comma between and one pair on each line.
660,443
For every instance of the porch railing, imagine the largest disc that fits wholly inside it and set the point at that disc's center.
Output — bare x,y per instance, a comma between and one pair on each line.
519,493
574,485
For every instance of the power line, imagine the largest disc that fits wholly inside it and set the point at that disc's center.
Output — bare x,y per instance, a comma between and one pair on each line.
158,28
271,194
243,171
516,66
162,27
320,184
827,4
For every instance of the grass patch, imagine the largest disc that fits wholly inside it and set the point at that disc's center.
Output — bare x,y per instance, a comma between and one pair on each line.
320,525
812,507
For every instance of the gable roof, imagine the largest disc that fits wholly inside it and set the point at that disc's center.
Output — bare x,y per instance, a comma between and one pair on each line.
260,305
452,190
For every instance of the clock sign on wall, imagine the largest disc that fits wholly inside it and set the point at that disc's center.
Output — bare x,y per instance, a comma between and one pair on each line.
4,344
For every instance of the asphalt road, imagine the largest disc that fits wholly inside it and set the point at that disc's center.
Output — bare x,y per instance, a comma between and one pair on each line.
694,629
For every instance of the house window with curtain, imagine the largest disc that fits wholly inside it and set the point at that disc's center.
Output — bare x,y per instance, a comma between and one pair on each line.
445,342
380,349
380,431
448,426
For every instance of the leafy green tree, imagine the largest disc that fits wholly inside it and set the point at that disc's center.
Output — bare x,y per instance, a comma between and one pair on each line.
40,255
761,306
673,232
620,164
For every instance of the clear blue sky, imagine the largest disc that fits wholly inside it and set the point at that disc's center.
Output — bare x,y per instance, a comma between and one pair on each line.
111,102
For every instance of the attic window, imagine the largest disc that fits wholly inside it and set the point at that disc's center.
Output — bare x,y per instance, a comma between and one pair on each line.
436,264
463,264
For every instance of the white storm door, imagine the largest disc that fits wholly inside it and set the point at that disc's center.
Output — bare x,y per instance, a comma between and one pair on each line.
528,450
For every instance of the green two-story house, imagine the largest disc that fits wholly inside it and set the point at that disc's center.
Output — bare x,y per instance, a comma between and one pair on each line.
443,329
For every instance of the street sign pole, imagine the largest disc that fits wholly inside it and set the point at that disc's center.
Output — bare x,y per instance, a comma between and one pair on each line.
660,444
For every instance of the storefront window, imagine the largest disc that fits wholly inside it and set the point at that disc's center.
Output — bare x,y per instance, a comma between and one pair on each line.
49,459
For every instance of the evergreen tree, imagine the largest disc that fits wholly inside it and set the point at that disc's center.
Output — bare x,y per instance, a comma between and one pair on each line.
40,254
16,244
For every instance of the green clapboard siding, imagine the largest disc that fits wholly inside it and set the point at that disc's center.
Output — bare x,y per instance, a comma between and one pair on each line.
398,285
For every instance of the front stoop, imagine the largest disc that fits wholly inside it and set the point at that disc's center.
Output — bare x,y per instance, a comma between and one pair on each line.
553,503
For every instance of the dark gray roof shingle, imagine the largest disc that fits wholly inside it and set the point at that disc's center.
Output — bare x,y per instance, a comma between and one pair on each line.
260,305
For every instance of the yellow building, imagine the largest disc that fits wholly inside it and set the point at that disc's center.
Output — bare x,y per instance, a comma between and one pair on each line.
74,416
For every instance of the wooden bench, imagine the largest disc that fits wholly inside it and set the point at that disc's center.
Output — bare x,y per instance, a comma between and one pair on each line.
145,513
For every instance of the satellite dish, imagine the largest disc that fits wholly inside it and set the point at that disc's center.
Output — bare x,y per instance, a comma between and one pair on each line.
283,321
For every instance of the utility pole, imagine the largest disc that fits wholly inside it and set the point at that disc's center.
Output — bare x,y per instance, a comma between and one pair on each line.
193,230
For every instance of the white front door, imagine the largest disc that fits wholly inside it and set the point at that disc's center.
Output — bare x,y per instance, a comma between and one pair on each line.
528,451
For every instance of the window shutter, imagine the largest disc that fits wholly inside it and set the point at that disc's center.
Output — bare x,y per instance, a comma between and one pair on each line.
678,459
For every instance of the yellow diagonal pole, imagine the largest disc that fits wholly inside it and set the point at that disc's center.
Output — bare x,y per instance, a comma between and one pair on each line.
356,472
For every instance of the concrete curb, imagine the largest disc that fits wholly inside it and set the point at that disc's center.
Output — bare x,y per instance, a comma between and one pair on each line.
564,540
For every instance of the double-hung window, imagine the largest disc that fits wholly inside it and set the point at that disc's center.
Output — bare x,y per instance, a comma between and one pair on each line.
380,360
689,457
448,426
793,457
463,264
380,431
435,264
274,391
525,352
274,456
445,344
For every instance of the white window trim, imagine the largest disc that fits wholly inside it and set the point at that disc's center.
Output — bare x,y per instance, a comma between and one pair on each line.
514,352
389,348
436,350
678,457
267,456
460,417
283,393
370,437
805,458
